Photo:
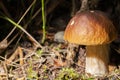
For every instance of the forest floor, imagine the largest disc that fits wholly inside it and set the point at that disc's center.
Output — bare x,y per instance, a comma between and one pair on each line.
52,61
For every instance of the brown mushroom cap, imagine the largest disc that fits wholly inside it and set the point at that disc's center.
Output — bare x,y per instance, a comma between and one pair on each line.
90,28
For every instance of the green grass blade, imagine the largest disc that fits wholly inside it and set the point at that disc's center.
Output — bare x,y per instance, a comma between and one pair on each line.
21,28
44,21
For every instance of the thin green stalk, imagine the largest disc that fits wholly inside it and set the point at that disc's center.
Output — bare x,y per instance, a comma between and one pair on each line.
20,18
44,21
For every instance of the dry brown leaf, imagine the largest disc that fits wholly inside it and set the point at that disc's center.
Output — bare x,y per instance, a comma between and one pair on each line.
59,63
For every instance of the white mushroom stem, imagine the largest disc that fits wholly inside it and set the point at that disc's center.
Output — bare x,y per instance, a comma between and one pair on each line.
97,59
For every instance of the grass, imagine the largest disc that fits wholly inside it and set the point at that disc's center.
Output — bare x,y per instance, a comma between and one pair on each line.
68,74
43,20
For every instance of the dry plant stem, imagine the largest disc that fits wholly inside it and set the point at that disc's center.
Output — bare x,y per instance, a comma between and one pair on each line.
21,18
5,67
73,8
21,56
97,59
8,61
18,21
17,52
84,5
25,26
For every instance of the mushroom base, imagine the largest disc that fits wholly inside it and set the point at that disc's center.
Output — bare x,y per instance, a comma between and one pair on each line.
97,58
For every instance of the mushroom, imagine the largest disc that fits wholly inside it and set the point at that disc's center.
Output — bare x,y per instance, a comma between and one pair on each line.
95,30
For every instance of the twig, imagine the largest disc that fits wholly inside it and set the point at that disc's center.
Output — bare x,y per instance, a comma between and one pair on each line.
84,5
5,67
73,8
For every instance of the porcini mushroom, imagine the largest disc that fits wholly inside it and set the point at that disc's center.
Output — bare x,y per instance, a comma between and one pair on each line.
95,30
